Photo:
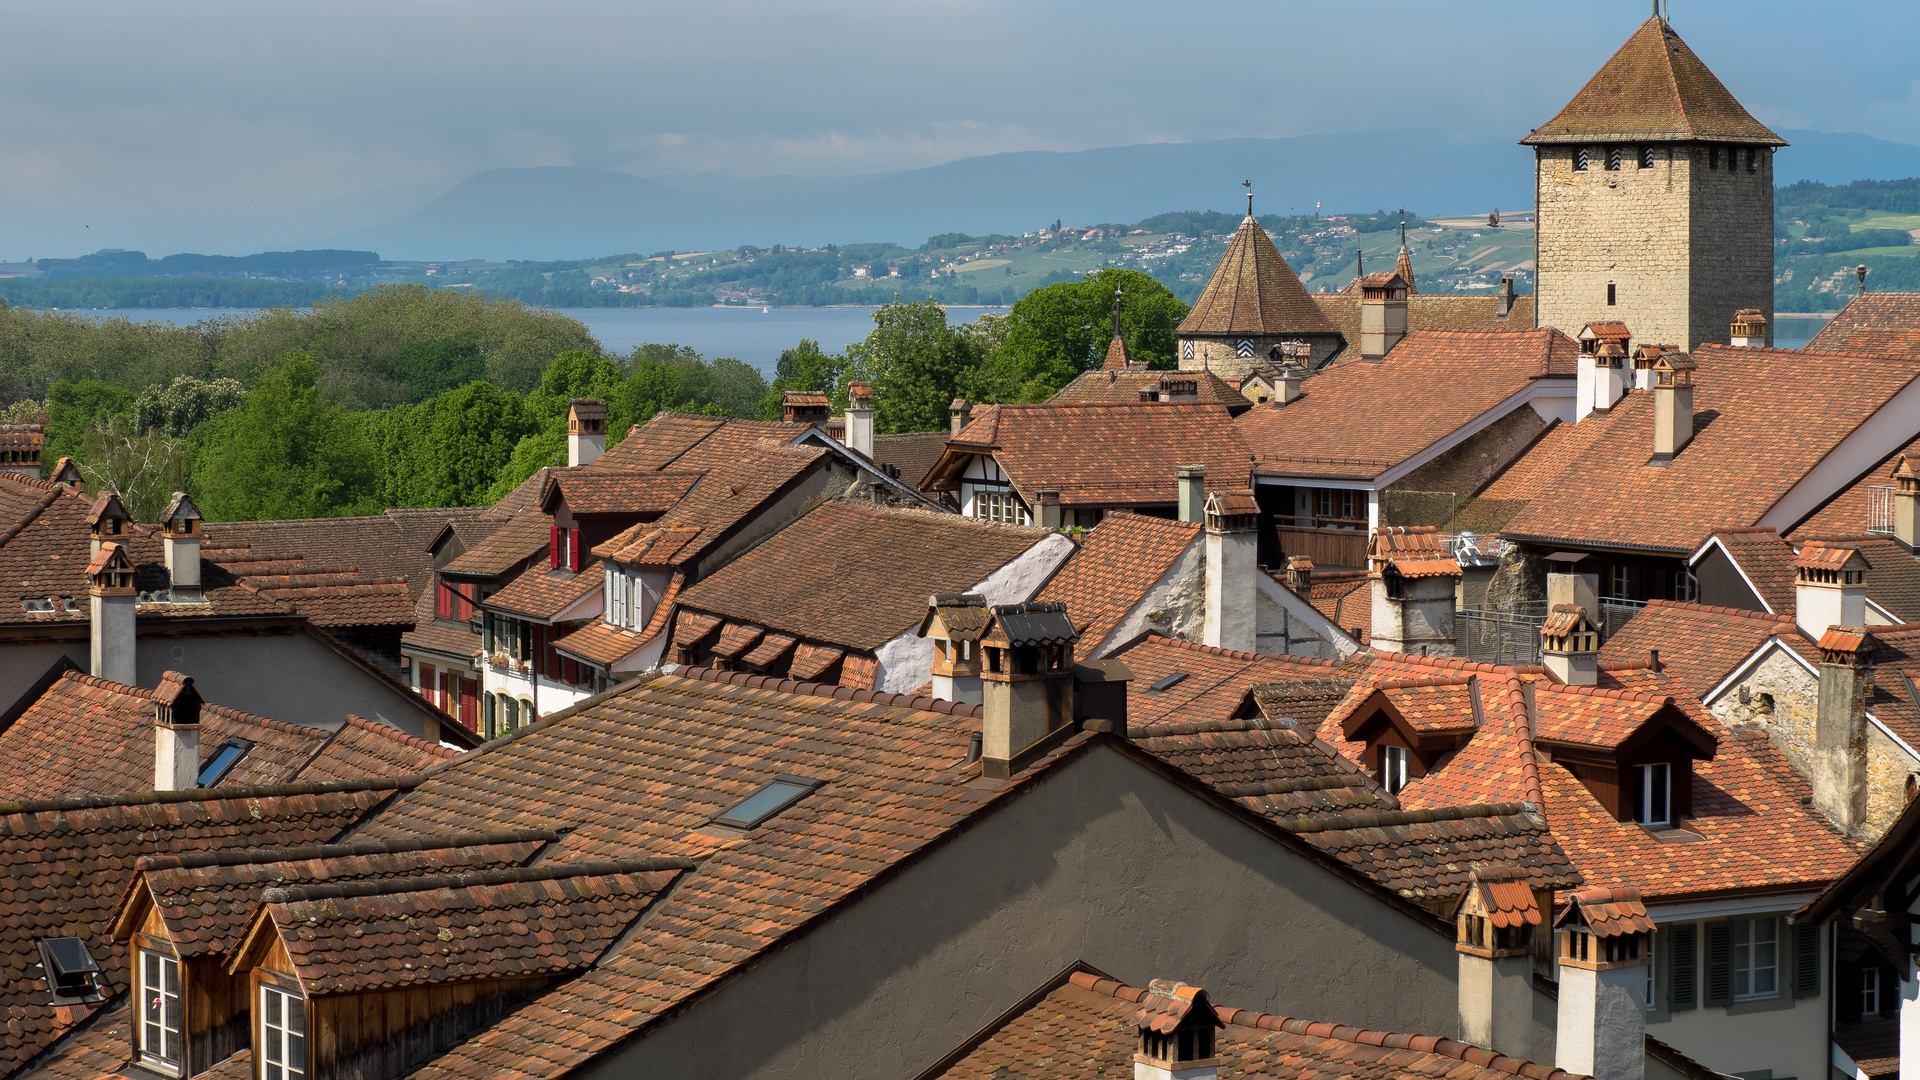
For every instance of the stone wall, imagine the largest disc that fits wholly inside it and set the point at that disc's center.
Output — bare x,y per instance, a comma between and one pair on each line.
1222,355
1467,468
1683,245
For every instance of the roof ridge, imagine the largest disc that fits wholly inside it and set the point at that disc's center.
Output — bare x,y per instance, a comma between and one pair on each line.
1609,692
1523,727
1194,646
822,690
1715,609
1425,680
294,894
1373,819
1438,1045
254,856
388,731
1457,664
262,791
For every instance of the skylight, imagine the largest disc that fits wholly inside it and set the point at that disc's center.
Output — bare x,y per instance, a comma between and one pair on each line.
778,794
223,761
1167,682
70,969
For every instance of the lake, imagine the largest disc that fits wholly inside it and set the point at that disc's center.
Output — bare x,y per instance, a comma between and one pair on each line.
743,333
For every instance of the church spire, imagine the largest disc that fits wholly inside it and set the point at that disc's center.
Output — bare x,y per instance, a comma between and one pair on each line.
1404,265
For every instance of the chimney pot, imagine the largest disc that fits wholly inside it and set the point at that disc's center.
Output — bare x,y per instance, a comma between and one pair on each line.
1496,921
1383,314
1233,566
110,599
1672,406
1749,329
1506,295
1570,646
1300,575
1175,1025
176,733
959,412
860,419
1027,682
1193,482
1605,940
586,430
1830,587
181,533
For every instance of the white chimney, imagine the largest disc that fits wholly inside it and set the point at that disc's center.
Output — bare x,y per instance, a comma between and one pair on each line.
1605,941
1600,375
586,430
176,733
1233,558
1749,329
1175,1027
1906,505
180,525
1830,587
1383,314
1672,406
110,600
1413,584
1839,759
1495,923
1026,682
1193,492
860,418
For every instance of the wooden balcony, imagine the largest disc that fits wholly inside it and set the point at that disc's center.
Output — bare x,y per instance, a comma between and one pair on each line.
1330,549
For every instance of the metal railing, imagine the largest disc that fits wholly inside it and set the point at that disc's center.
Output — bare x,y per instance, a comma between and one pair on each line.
1879,509
1615,613
1509,635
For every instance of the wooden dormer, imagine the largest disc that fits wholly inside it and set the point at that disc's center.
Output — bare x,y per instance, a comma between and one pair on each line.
212,1019
954,622
1633,752
1410,725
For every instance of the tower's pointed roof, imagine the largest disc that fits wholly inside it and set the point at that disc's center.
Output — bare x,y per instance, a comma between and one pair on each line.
1653,90
1404,264
1117,358
1253,291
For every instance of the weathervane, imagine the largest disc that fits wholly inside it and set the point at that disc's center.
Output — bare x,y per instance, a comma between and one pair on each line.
1117,290
1248,184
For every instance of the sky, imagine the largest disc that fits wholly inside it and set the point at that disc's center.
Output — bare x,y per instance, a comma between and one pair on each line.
141,123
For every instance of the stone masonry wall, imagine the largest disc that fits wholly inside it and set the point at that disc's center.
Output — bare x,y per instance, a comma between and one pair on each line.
1629,227
1467,468
1222,357
1732,229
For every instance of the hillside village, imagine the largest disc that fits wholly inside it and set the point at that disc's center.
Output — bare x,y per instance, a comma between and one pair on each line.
1409,684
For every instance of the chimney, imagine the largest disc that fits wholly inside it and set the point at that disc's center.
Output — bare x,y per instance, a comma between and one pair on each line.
1026,682
1383,314
66,472
110,600
804,407
1906,505
959,412
180,526
176,733
1300,575
1413,583
1175,1025
1605,939
1049,507
1749,329
107,521
1495,923
1506,295
1580,590
1233,558
1570,646
1643,358
1609,376
1830,587
586,430
1601,378
860,419
1193,492
1672,406
1839,764
954,622
1100,695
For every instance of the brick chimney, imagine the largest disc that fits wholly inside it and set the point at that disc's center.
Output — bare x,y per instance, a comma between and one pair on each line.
860,418
1193,492
1839,759
1026,682
1413,583
176,733
181,530
1048,505
1672,406
1383,314
1495,922
958,413
110,600
1176,1026
1570,646
107,521
1233,558
1749,329
1906,505
586,430
1506,295
1829,587
954,623
1605,944
1300,575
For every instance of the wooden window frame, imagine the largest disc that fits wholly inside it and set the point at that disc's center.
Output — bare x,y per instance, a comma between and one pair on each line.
291,999
144,947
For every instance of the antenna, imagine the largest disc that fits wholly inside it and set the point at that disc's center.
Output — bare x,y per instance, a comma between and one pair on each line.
1248,184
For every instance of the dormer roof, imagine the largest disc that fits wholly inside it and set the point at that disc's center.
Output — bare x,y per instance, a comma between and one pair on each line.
1117,358
1653,89
1253,291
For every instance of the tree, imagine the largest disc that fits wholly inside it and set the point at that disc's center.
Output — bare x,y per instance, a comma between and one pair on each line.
144,467
286,452
451,450
73,406
916,363
803,367
185,404
434,366
735,387
1055,333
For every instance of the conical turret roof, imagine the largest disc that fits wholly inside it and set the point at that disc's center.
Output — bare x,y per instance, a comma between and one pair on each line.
1117,358
1653,90
1404,264
1253,291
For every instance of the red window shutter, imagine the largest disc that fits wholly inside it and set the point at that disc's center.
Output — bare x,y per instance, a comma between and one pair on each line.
573,550
443,601
426,681
553,545
553,659
463,606
443,702
570,670
470,704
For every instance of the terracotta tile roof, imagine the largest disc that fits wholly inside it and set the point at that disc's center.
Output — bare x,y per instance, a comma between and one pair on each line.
356,937
1653,89
856,575
1083,1029
1432,704
811,661
1852,510
519,538
1766,561
1740,462
64,865
206,900
1439,381
1429,312
1699,645
1275,771
1531,474
1121,387
913,453
1303,703
695,443
1413,551
1345,597
430,634
1112,571
1610,911
1100,455
729,495
388,545
341,600
545,592
1254,291
87,736
1581,716
1506,896
600,643
1427,855
599,489
1874,1048
1214,682
1885,323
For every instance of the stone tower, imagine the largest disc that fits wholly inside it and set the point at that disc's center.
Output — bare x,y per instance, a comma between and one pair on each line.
1654,191
1252,304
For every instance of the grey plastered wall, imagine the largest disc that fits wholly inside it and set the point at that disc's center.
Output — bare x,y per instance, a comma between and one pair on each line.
825,482
1105,861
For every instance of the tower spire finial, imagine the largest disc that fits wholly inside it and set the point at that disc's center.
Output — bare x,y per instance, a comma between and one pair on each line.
1248,184
1117,292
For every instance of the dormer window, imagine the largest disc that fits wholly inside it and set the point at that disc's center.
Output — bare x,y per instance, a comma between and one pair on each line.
1394,763
160,1023
1653,794
72,974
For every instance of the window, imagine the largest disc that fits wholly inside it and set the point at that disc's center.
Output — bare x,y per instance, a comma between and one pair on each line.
1713,157
1186,349
1652,793
1756,958
223,761
1336,507
776,795
1166,682
1869,992
1611,294
1580,160
1614,155
70,969
1001,506
1753,159
160,1010
1617,579
1684,586
1393,768
283,1035
1646,157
